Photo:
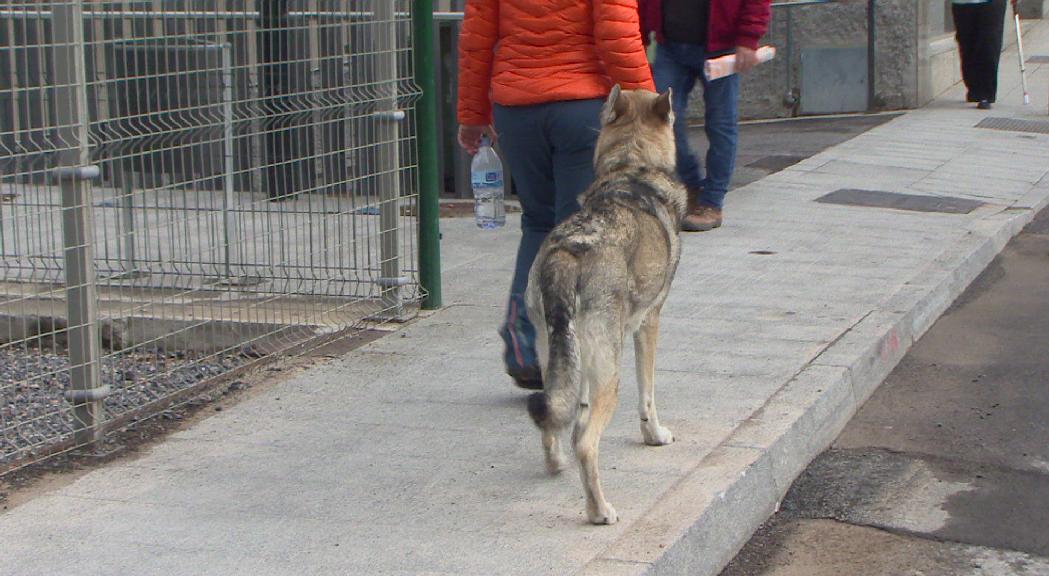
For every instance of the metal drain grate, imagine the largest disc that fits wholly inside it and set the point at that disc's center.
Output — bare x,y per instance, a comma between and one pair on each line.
898,201
1038,59
776,162
1015,125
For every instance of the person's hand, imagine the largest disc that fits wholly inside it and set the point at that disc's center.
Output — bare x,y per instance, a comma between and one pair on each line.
470,136
746,58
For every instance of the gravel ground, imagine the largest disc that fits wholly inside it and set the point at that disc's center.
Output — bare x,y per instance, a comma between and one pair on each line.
34,414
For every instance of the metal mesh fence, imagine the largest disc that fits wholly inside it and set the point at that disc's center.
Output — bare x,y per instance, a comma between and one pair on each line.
187,186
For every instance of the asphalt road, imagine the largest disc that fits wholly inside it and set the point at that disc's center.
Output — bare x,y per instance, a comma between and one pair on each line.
945,470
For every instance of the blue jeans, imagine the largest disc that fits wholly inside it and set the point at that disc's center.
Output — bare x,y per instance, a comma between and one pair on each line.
677,66
550,151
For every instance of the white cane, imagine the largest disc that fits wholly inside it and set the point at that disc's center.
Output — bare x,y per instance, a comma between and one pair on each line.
1020,53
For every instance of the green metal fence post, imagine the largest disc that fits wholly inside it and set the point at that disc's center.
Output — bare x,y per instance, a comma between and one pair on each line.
426,116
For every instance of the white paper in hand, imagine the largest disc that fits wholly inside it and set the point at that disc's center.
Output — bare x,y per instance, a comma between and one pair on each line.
726,65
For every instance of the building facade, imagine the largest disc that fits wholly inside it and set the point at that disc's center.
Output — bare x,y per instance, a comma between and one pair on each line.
823,64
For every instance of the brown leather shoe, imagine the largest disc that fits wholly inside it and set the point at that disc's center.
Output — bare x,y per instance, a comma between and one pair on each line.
701,218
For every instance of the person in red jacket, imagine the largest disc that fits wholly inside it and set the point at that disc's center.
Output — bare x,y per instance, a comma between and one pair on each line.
536,72
688,32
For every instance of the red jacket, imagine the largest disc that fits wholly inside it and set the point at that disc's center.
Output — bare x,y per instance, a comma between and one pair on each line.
732,22
520,52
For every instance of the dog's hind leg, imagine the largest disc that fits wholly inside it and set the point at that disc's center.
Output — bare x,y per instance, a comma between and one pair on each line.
603,397
645,358
552,451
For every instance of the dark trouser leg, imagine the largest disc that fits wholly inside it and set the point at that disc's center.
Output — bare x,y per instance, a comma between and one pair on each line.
550,151
979,33
668,71
966,26
721,98
573,131
990,47
527,152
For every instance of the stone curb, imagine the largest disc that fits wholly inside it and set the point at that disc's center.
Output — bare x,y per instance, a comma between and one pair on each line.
700,524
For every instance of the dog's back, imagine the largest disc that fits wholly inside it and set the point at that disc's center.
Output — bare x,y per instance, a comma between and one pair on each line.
598,273
602,273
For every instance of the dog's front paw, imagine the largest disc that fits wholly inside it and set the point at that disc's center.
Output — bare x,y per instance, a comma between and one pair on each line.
656,435
603,515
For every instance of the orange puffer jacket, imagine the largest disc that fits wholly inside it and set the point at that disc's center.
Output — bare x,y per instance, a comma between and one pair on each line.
520,52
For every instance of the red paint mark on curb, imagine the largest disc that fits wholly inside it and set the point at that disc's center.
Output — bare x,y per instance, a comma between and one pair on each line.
890,344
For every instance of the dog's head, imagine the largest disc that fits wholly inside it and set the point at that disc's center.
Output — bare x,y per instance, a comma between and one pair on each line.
637,128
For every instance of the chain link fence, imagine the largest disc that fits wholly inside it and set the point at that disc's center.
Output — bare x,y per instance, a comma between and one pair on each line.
187,186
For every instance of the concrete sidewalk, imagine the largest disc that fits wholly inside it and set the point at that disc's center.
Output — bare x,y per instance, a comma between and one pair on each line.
413,455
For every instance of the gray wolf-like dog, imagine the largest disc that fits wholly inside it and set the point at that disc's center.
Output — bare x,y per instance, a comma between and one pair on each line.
602,274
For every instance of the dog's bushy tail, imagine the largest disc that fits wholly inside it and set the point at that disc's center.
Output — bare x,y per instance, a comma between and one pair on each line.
555,407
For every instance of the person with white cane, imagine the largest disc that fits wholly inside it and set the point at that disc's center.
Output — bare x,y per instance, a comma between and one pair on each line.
979,25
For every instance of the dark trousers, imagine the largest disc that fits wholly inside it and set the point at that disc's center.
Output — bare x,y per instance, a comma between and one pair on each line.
550,151
678,67
979,34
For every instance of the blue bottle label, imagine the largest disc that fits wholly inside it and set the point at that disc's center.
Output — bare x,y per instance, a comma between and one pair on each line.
486,180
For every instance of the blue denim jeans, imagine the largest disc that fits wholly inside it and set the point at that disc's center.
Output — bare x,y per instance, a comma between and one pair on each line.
550,151
678,66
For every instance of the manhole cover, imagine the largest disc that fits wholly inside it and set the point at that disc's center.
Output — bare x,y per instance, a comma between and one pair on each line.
1015,125
898,201
776,162
1038,59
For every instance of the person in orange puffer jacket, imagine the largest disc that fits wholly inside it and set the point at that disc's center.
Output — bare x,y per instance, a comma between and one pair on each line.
536,73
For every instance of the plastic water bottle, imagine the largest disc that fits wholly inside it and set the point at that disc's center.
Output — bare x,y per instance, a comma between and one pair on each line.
486,178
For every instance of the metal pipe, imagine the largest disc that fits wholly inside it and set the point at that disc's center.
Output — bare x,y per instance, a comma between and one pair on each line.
127,212
360,16
228,225
872,53
426,130
192,14
74,172
789,98
457,16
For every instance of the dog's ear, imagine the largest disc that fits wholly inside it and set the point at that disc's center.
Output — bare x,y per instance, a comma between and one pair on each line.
615,106
663,107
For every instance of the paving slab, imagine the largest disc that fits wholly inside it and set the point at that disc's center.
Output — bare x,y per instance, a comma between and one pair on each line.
414,455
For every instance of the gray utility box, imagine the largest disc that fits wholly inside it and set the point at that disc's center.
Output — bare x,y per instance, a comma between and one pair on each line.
833,80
